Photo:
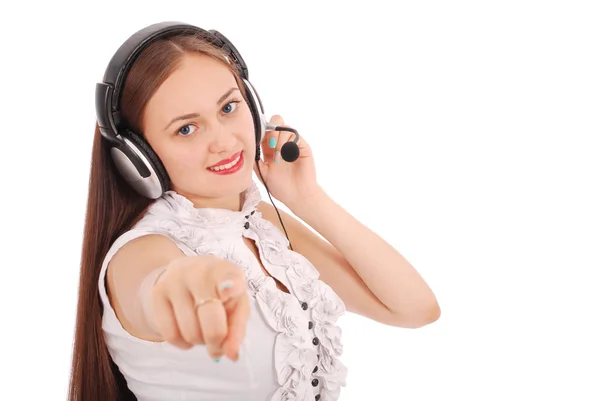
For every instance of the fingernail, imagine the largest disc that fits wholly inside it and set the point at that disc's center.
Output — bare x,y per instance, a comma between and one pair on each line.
276,158
216,360
272,142
225,285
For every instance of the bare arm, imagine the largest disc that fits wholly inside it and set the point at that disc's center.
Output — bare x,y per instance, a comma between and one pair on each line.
370,276
155,289
133,265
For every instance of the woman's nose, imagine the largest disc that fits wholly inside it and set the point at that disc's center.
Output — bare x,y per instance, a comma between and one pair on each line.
222,140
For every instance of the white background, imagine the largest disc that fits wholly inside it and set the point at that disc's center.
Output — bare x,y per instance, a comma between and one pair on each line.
464,133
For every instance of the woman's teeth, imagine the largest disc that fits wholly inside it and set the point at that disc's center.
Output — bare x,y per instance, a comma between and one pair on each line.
226,166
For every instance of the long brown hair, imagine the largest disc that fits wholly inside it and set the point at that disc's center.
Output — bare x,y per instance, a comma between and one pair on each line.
113,208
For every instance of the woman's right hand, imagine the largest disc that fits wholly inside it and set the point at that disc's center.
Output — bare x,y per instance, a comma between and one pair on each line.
177,312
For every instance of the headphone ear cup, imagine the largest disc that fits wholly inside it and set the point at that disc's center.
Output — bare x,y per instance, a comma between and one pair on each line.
158,182
255,106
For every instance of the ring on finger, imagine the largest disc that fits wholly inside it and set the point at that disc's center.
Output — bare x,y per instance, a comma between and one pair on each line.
205,301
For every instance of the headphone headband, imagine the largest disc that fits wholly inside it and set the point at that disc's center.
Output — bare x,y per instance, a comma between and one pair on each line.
122,61
108,92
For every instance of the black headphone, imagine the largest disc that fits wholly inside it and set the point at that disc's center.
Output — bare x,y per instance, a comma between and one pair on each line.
134,158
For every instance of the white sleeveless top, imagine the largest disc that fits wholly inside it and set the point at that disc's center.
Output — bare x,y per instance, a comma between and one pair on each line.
292,342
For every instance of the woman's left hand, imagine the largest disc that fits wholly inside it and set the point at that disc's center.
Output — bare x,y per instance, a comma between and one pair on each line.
292,182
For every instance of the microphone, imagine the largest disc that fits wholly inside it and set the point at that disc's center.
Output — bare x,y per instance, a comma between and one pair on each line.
289,151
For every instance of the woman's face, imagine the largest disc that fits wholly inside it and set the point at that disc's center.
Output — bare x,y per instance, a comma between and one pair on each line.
196,119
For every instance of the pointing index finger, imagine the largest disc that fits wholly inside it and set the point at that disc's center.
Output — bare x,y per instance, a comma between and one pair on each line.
238,312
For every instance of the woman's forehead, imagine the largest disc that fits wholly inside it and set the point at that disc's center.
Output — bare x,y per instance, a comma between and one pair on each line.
196,86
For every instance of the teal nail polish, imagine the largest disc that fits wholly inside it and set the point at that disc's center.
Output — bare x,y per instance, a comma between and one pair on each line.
272,142
226,284
217,360
276,156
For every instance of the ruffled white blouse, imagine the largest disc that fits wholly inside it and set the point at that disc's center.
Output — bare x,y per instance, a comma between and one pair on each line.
292,346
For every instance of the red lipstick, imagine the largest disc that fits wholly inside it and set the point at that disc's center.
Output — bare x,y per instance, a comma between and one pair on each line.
232,169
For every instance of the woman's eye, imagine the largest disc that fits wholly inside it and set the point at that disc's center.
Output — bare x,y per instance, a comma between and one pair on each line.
186,130
230,107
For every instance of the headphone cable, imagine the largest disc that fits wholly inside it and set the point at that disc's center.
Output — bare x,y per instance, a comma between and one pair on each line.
278,215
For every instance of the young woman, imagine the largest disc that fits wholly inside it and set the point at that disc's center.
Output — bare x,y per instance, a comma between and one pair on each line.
194,288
